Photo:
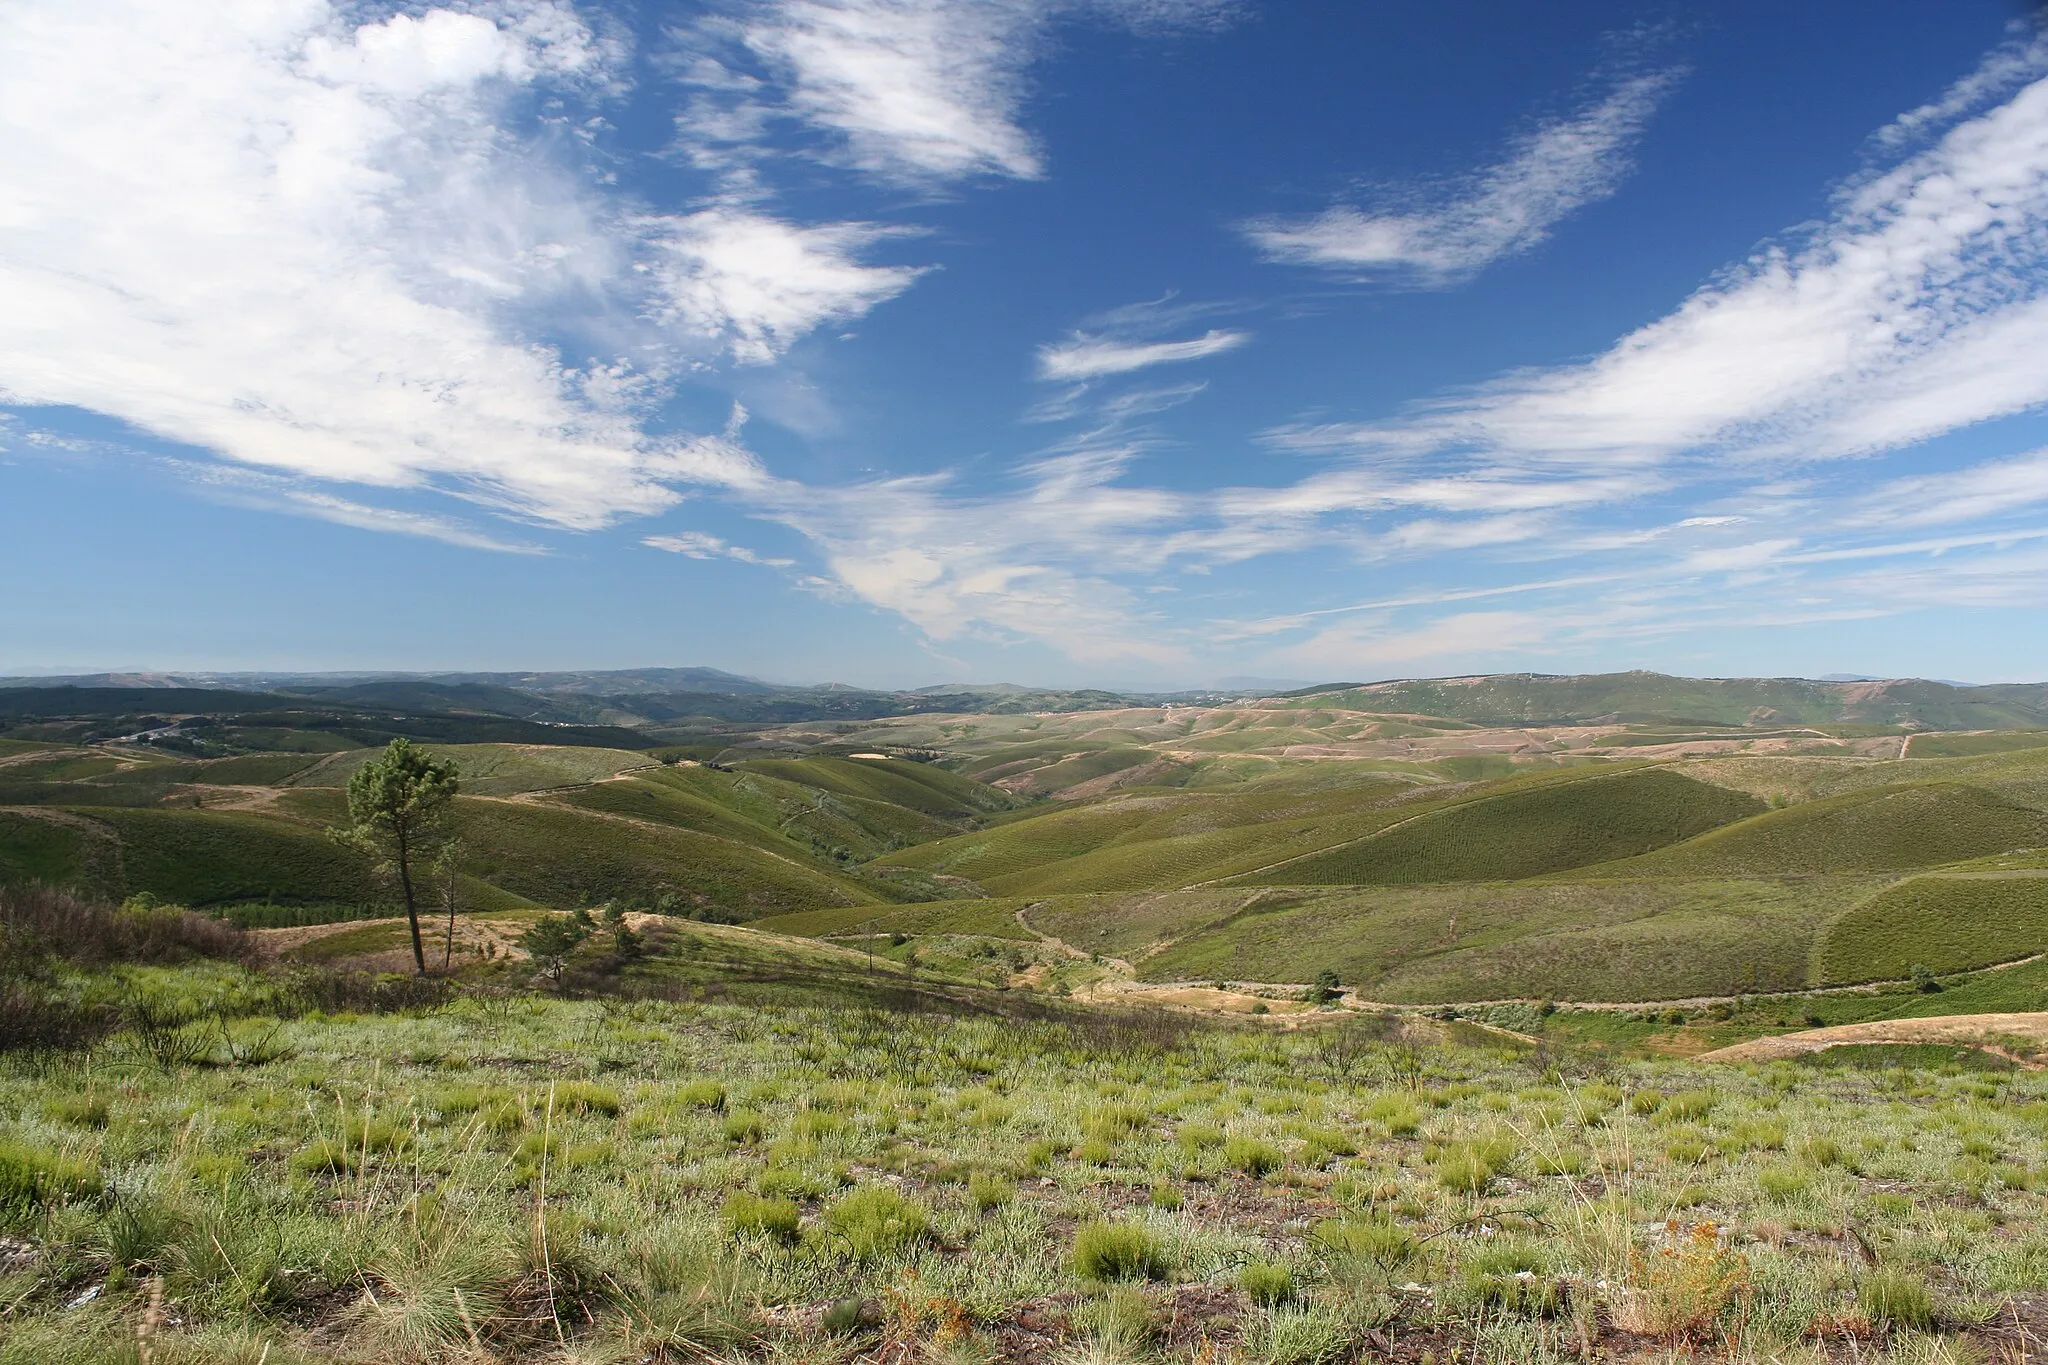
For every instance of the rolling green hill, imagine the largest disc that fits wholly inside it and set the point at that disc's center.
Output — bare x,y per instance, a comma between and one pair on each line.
1893,828
1534,698
1945,923
1531,828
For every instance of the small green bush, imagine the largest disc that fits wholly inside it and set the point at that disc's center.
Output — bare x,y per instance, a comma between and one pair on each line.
1122,1321
1116,1251
1265,1282
1165,1195
762,1215
986,1191
1252,1157
1199,1137
1379,1243
1512,1275
701,1094
79,1111
1783,1182
581,1097
32,1178
1897,1299
743,1127
876,1221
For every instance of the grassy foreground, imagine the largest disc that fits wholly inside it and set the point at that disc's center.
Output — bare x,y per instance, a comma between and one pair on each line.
514,1177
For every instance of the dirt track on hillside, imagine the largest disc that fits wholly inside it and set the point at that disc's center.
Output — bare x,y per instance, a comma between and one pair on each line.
1976,1030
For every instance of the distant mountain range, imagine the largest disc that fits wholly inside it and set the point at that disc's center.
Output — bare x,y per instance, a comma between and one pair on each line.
664,696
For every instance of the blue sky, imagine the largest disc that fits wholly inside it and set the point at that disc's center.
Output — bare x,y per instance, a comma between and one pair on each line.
1115,342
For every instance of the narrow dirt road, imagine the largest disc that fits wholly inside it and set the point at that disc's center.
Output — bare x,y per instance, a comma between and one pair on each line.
1976,1030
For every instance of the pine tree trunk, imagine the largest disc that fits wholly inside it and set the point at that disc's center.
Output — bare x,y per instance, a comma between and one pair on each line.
412,913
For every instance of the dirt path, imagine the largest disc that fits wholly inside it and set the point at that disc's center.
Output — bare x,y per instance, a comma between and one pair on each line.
1980,1030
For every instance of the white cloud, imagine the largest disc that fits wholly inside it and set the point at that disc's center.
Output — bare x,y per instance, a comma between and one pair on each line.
698,545
906,90
318,245
1376,648
2010,65
763,282
1920,306
1086,357
1984,490
1551,173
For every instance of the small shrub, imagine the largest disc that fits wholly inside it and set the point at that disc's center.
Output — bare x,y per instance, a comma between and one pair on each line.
1199,1137
1513,1276
1252,1157
1397,1115
743,1127
1267,1283
1783,1182
1821,1151
762,1215
1122,1321
80,1111
701,1094
986,1191
581,1097
32,1178
1165,1195
1116,1251
1095,1152
1378,1244
1896,1299
876,1221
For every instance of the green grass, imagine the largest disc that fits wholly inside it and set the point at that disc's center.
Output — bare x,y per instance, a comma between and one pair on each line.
989,919
201,858
1536,827
1614,940
496,769
915,786
557,856
542,1173
1893,828
1947,923
39,850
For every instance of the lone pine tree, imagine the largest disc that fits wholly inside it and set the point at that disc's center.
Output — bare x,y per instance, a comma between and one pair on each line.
399,809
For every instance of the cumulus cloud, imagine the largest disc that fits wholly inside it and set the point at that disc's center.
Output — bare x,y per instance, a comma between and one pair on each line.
1502,211
319,245
1085,357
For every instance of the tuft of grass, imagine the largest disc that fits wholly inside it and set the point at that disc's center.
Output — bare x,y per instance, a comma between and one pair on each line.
876,1221
582,1097
986,1191
1267,1283
1106,1252
33,1178
1252,1156
1896,1299
762,1215
1513,1275
701,1094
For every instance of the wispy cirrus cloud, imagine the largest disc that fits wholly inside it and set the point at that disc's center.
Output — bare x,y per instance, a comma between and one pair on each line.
699,545
1083,357
1438,240
1918,307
